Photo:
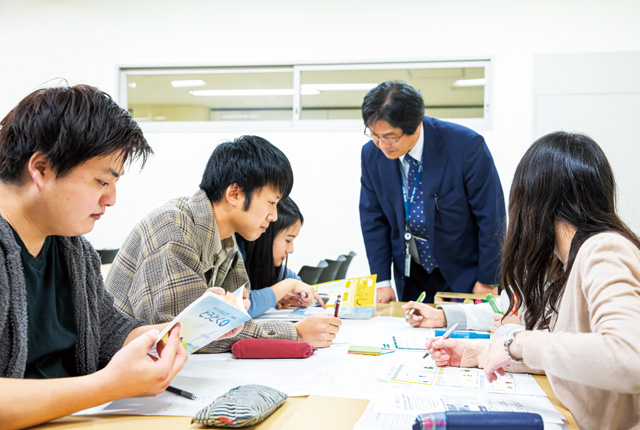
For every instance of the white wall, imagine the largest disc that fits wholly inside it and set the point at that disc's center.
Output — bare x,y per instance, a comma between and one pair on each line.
573,93
85,41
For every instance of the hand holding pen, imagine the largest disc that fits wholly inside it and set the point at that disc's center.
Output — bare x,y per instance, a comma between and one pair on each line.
422,315
445,351
420,299
444,336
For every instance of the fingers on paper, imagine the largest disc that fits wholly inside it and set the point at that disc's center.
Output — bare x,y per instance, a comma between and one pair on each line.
217,290
172,354
492,375
320,301
232,333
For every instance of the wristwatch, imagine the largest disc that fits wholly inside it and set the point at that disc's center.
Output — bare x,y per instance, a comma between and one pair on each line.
508,342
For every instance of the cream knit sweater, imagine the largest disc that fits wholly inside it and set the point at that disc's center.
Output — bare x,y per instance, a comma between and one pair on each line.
592,353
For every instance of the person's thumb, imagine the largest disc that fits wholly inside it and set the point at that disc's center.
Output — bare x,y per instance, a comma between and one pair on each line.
145,341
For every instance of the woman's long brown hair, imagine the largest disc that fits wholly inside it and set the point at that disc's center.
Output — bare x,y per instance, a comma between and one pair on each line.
564,177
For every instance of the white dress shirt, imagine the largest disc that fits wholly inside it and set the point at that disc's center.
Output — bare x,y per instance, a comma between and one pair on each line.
416,153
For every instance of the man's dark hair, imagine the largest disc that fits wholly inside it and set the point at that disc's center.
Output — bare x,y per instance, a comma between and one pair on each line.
69,125
251,162
395,102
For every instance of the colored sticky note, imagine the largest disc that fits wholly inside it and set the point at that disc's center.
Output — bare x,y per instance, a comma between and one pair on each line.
364,350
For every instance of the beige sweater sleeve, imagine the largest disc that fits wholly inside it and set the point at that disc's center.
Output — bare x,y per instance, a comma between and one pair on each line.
604,284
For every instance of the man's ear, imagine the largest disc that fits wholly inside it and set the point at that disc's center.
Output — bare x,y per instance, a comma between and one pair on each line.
234,195
39,168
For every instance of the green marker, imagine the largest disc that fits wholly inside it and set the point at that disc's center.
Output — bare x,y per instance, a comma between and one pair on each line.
494,305
420,299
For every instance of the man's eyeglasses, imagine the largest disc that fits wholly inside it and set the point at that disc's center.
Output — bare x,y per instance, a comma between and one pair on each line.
377,138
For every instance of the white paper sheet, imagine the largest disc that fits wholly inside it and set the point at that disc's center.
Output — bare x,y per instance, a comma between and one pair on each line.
427,373
209,376
396,408
330,372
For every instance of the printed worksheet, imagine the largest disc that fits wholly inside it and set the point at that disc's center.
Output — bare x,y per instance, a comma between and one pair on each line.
397,408
358,296
416,373
411,341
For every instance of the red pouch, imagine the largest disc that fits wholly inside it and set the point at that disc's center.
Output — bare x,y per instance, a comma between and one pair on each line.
271,348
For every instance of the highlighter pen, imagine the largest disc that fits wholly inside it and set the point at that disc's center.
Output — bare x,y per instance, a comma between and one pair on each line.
494,305
444,336
335,314
465,335
180,392
420,299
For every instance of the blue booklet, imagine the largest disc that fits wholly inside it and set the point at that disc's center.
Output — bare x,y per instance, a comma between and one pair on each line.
208,318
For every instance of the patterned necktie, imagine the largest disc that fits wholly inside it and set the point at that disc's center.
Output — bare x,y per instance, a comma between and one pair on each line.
417,220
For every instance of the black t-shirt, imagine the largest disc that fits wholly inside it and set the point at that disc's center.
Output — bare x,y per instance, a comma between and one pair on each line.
52,327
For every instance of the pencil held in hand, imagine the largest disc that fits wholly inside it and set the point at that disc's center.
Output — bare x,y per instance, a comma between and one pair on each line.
337,305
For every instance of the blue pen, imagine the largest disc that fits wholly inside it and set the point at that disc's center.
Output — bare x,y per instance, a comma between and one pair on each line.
465,335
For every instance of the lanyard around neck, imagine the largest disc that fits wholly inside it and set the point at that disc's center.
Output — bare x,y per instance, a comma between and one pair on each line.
408,202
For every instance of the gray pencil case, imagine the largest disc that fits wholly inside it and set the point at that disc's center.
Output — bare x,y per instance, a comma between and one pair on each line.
242,406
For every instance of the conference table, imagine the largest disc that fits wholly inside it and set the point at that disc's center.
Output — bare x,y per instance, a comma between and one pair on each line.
296,413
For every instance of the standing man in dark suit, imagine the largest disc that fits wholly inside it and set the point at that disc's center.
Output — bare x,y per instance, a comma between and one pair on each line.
431,202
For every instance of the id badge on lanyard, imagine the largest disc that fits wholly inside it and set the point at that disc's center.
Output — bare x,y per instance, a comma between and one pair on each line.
407,254
408,203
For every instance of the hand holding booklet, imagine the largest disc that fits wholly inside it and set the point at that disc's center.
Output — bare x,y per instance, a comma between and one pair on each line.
208,318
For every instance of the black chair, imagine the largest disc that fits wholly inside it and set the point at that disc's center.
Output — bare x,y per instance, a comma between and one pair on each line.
311,274
329,273
342,271
107,255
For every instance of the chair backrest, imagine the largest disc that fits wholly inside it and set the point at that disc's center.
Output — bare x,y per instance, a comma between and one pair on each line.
342,271
329,273
107,255
311,274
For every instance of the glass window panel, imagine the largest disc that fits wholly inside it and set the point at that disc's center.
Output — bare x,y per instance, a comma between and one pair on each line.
452,92
221,95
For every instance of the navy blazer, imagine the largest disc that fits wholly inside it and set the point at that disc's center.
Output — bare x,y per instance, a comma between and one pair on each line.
466,227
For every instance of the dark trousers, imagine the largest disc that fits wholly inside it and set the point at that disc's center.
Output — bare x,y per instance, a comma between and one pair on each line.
420,281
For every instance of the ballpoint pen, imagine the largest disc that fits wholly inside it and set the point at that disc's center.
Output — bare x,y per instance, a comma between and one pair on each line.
445,336
419,300
180,392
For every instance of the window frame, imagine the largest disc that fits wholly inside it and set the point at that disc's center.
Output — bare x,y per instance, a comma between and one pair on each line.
296,123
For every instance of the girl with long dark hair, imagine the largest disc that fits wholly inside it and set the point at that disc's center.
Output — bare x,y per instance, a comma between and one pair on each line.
272,282
574,267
